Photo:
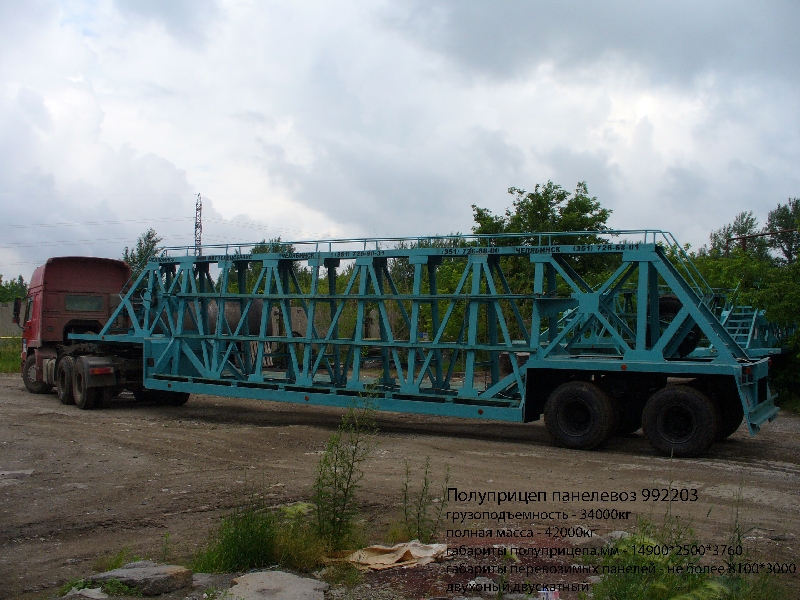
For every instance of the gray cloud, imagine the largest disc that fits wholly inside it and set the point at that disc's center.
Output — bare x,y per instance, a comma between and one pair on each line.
186,20
389,119
673,42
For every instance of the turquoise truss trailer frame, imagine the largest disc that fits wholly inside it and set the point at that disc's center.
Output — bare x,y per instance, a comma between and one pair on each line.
487,327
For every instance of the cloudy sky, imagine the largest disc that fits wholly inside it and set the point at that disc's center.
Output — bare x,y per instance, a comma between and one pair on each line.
311,119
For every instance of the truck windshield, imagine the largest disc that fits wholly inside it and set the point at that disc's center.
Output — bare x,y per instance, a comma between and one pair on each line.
85,303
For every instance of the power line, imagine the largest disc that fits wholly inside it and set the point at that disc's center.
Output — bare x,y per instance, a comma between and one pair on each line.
78,224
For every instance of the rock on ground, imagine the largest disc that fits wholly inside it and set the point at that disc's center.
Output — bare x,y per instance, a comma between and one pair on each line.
96,593
276,585
150,578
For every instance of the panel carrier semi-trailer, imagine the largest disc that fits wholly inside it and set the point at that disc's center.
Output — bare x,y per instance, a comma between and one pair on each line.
593,330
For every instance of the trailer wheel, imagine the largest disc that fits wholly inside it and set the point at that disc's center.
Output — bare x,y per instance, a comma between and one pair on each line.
579,415
668,308
86,398
680,421
64,380
731,415
29,377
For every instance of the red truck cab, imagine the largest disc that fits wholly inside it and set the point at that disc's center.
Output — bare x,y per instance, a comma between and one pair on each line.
69,294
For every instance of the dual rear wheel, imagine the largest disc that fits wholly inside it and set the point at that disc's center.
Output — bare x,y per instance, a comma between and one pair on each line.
72,389
677,420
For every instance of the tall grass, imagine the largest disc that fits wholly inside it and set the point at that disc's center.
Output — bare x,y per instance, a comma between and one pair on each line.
10,350
254,535
669,579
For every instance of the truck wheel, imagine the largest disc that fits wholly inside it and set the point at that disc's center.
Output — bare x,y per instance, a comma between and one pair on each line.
579,415
668,308
86,398
680,421
731,415
64,380
29,377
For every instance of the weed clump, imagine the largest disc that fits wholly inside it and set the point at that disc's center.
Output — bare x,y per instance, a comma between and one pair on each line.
10,352
112,587
339,474
245,539
422,510
647,566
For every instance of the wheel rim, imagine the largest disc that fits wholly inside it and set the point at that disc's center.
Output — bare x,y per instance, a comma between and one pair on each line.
575,417
677,424
32,373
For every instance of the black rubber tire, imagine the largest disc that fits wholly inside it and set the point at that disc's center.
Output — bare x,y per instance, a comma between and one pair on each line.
86,398
29,377
731,415
64,380
680,421
668,308
579,415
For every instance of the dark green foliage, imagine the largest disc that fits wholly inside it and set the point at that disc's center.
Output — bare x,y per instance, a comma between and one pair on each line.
548,207
785,216
147,245
112,587
745,223
15,288
10,353
246,539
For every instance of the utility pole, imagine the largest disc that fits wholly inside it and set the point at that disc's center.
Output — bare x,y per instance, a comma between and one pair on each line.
198,226
743,238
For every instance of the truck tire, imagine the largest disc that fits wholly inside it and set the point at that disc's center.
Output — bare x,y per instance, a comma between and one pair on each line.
66,366
29,377
731,415
668,308
580,415
86,398
680,421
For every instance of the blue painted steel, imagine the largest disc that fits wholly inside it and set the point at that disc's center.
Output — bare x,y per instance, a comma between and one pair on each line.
447,325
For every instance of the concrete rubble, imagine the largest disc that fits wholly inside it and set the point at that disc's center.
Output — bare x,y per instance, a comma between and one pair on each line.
149,577
276,585
95,593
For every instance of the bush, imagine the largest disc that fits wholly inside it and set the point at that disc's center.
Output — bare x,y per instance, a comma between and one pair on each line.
338,476
10,351
666,582
255,536
246,539
420,519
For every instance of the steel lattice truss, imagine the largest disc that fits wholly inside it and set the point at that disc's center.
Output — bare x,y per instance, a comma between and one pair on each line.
452,324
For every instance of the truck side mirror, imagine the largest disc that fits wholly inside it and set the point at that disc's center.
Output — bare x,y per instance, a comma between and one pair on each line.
17,306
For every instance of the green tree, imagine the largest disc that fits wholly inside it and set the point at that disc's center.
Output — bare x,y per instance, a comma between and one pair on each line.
549,207
785,216
14,288
147,245
745,223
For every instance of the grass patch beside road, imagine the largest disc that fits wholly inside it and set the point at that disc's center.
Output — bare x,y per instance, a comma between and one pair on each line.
10,350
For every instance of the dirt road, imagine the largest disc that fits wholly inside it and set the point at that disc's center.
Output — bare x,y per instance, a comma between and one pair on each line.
75,485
